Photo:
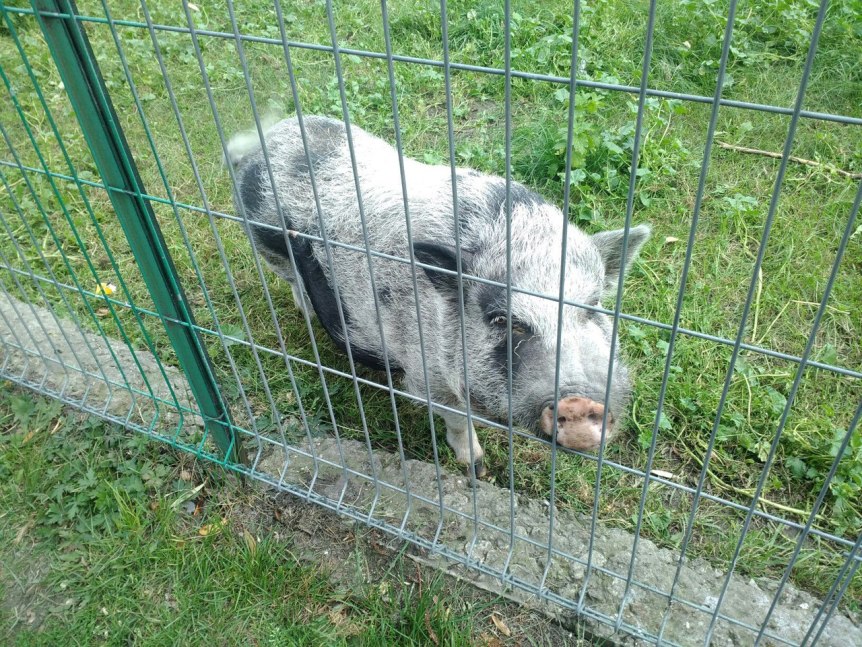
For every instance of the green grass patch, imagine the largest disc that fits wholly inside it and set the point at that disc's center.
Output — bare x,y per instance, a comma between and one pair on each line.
99,545
73,234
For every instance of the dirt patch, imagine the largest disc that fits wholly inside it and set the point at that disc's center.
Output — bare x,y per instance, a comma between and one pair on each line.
26,602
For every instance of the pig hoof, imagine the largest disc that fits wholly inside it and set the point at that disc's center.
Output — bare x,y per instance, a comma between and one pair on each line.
478,468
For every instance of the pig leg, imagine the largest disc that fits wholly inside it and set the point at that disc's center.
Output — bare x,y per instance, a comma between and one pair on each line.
461,436
273,250
300,299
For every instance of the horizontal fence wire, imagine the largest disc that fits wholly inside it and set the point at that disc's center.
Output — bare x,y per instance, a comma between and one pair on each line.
288,393
598,85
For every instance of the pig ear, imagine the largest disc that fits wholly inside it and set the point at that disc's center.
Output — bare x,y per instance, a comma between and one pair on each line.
610,244
442,256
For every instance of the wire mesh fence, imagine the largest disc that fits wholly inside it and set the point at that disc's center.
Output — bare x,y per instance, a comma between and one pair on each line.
139,233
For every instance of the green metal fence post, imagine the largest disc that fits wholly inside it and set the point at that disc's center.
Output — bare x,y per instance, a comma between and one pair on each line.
83,81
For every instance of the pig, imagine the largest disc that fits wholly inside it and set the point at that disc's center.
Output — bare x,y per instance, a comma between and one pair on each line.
277,197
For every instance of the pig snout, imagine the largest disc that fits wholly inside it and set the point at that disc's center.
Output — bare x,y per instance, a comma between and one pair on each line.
579,422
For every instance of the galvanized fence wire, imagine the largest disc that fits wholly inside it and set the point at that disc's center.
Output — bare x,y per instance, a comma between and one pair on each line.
767,227
557,363
226,265
285,234
327,245
507,106
220,248
630,197
173,204
263,444
464,67
835,593
362,222
399,147
450,133
713,120
81,245
815,509
34,195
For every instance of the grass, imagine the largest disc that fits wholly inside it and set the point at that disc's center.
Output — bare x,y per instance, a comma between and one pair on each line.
769,48
107,538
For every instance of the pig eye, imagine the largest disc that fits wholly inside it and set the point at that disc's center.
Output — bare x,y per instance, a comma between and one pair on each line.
500,321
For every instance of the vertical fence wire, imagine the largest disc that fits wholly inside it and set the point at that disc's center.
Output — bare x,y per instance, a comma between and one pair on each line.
21,344
399,147
345,113
764,239
294,90
173,203
633,175
98,121
38,203
510,436
7,263
38,286
797,380
564,244
219,246
258,269
283,216
459,265
835,593
698,203
55,239
70,311
261,134
815,509
69,220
